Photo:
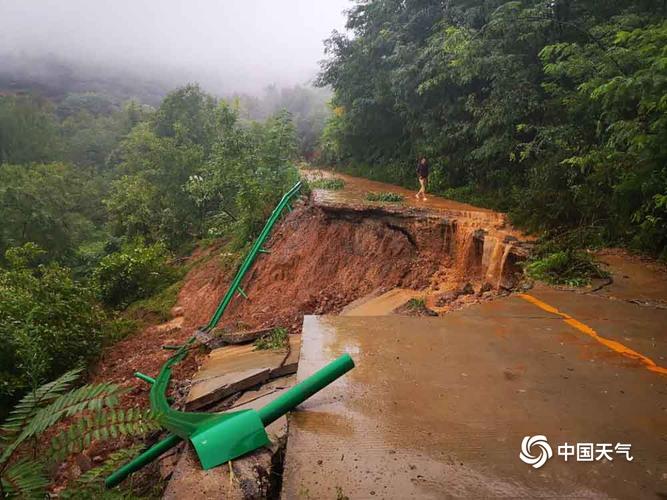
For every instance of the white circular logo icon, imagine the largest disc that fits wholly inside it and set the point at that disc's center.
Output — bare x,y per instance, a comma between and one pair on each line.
535,451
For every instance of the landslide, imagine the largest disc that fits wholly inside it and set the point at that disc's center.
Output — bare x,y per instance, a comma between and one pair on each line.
320,260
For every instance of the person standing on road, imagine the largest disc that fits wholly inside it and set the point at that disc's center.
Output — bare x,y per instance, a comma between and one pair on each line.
422,174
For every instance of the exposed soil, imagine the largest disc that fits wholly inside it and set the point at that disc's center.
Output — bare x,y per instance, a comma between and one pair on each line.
324,258
143,351
321,259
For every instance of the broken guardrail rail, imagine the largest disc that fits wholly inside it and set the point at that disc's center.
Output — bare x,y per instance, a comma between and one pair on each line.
220,437
257,247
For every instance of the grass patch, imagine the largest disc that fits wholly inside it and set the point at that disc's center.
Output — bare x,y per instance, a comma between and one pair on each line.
416,304
332,184
119,328
384,196
277,339
158,306
565,267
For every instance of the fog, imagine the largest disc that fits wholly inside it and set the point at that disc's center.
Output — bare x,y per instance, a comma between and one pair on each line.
226,45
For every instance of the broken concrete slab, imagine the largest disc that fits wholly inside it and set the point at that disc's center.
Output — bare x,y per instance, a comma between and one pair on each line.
252,474
381,305
231,369
250,478
362,300
291,361
275,385
222,337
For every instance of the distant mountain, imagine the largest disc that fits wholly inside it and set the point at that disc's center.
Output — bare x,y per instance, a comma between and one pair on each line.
54,78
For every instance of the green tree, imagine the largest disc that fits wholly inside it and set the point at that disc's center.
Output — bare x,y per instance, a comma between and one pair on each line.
136,272
247,173
188,115
28,130
551,110
52,205
48,322
149,200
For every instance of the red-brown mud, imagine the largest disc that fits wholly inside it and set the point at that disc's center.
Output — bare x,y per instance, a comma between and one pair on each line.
323,258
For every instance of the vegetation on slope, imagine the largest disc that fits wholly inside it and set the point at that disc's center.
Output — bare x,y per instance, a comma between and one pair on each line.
98,201
331,184
384,197
553,111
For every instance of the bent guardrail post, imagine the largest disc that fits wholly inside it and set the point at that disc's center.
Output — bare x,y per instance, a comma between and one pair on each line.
219,438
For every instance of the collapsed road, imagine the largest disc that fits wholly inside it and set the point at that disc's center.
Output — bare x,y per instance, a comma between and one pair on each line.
440,403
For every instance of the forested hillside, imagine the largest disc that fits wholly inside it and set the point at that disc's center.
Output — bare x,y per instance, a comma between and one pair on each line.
554,111
97,198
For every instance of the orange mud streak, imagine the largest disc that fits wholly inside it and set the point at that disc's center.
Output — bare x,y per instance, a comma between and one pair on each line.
611,344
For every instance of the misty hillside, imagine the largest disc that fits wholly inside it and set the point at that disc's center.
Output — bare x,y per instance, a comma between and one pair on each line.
54,78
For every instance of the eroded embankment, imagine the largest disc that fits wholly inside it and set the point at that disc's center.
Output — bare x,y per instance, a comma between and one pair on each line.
323,258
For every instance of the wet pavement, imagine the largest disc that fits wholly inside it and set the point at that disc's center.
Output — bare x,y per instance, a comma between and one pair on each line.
438,407
634,279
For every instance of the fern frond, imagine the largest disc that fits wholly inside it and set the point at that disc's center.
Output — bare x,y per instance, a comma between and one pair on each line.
101,426
89,397
25,479
92,480
28,406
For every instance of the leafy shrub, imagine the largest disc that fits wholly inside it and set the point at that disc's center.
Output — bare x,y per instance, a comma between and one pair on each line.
136,272
330,184
51,205
386,197
48,322
277,339
565,267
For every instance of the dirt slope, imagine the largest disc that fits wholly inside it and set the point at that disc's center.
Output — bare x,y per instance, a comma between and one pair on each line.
323,259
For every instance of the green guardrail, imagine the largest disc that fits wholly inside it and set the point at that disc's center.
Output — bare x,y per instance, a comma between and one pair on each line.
220,437
257,247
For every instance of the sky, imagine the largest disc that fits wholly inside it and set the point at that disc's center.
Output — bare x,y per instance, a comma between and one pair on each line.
232,45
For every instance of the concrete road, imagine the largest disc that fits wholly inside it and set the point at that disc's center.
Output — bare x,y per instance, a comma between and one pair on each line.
439,407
